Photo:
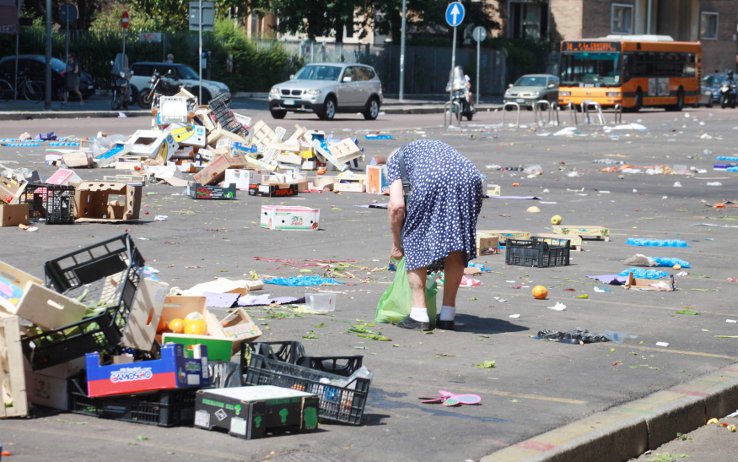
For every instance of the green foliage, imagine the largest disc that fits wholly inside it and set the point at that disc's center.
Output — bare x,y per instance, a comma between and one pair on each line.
255,68
524,56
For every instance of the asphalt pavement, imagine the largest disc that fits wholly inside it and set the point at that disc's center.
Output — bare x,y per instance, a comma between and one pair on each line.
673,368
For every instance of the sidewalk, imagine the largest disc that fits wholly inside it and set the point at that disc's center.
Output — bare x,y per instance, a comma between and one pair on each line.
99,106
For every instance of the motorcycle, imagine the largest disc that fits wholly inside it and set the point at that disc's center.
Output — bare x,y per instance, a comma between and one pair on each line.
728,94
460,90
159,85
121,91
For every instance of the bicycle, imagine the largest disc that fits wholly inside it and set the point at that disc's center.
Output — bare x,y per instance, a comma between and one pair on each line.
32,90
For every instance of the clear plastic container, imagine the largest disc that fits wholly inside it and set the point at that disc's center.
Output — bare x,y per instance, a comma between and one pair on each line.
321,303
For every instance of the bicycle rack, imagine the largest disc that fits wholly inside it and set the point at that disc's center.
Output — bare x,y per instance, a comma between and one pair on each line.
541,105
595,106
448,113
554,113
516,106
573,114
618,115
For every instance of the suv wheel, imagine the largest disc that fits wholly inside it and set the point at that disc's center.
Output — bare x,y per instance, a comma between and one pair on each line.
329,109
372,109
277,113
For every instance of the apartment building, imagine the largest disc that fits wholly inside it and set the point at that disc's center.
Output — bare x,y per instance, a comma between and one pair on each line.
712,22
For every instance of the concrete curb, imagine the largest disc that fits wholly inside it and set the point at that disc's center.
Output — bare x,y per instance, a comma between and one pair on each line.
629,430
76,114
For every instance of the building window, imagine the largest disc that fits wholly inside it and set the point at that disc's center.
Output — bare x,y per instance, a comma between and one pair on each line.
528,19
708,25
622,19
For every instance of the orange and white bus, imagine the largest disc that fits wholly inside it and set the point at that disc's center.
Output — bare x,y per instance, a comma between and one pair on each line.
631,71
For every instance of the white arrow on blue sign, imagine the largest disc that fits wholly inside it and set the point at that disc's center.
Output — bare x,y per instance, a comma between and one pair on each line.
454,14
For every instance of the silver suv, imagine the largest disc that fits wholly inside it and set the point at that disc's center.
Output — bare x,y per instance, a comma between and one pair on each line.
328,88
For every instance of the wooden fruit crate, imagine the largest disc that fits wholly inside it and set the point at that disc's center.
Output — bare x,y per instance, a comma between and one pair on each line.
13,401
585,232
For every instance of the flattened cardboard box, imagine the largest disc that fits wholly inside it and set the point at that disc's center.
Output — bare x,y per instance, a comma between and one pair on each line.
214,172
107,202
255,411
13,214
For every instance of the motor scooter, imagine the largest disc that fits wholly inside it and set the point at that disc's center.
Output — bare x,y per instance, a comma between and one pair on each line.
159,85
121,88
728,94
460,89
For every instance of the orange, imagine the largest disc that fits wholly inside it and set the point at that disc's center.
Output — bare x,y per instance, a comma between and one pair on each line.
177,325
195,327
540,292
162,326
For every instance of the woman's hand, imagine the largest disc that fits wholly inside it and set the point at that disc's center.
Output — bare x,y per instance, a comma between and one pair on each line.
397,252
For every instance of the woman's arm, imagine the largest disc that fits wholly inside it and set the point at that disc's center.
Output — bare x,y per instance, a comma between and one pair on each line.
396,209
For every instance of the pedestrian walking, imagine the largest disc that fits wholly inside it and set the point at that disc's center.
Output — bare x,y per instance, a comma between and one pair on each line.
72,79
434,227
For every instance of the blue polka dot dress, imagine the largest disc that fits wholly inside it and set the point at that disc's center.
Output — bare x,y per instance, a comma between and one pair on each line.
441,215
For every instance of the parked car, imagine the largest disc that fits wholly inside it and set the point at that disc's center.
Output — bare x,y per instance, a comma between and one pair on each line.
142,72
327,89
531,88
36,65
710,88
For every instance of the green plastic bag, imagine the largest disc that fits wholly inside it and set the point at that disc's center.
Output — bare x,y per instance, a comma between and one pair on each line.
394,306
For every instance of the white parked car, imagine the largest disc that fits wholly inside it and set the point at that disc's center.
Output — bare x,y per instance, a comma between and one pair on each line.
327,89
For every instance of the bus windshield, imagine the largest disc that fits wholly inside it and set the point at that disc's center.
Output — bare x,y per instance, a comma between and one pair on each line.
598,69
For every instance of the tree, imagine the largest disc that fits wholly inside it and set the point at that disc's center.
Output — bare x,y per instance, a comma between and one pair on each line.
87,9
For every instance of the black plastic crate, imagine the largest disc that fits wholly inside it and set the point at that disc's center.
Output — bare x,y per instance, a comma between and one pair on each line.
52,202
341,400
537,252
219,105
294,353
167,408
106,274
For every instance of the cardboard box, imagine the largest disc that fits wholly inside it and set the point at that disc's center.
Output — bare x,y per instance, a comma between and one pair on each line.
660,285
281,217
172,371
13,214
214,172
224,337
152,144
585,232
130,162
188,134
273,190
12,380
64,176
109,156
503,234
239,177
256,411
50,387
211,192
107,202
345,150
78,159
376,179
487,244
493,190
11,190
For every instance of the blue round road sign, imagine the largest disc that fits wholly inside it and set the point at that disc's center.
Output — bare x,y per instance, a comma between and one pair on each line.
454,14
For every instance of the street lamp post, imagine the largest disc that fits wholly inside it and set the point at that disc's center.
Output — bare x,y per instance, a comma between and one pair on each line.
402,50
